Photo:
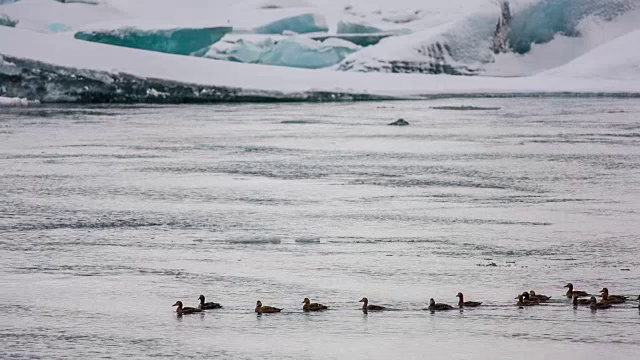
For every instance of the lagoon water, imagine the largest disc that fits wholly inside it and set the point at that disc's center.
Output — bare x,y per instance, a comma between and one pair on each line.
108,215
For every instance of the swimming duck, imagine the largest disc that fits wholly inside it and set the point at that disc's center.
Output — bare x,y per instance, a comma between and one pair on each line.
266,309
571,292
207,305
539,297
462,303
366,306
594,305
439,306
185,310
612,299
527,297
577,301
525,302
309,306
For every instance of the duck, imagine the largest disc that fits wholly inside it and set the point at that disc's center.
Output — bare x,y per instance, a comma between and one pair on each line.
309,306
612,299
539,297
433,306
571,292
576,301
462,303
595,305
207,305
260,309
366,307
182,310
527,297
525,302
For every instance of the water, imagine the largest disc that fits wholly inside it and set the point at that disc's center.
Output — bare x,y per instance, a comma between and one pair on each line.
111,214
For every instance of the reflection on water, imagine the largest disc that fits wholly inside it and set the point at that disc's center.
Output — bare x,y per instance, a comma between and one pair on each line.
111,214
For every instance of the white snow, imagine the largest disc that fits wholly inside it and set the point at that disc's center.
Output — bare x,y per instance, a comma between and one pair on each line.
86,55
7,101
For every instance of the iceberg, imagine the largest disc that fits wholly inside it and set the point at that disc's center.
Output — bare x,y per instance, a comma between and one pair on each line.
248,49
180,41
300,24
345,27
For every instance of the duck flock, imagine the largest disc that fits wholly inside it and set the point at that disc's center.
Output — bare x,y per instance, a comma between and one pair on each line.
530,298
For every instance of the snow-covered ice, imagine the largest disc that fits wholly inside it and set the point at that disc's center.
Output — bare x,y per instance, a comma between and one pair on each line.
581,47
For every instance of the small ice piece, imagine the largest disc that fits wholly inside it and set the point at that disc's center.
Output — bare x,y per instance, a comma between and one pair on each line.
180,41
301,24
5,20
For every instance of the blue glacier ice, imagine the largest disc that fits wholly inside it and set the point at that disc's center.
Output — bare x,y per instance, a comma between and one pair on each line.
346,27
540,22
303,52
301,24
181,41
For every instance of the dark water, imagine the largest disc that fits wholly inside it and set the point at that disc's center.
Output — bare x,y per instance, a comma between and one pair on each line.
108,215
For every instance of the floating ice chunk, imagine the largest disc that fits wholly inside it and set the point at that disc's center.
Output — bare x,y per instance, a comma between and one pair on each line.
301,24
7,101
181,41
5,20
256,240
303,52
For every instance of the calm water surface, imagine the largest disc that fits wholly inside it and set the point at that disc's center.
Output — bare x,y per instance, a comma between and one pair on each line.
108,215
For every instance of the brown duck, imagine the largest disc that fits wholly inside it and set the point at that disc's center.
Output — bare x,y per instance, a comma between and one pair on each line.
572,292
309,306
366,307
576,301
433,306
462,303
538,297
595,305
207,305
525,302
181,310
612,299
260,309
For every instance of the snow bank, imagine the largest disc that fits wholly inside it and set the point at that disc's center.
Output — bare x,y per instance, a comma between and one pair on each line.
103,66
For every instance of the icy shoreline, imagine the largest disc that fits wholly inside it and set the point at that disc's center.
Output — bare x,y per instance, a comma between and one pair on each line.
61,69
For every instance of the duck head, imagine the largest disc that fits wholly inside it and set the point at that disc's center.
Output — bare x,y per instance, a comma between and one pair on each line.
364,300
460,295
520,298
526,296
532,293
258,303
178,304
569,285
306,301
201,298
593,300
432,302
604,291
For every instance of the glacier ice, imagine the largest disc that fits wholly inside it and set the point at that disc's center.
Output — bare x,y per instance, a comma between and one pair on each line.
303,52
292,51
347,27
5,20
540,22
301,24
181,41
240,49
